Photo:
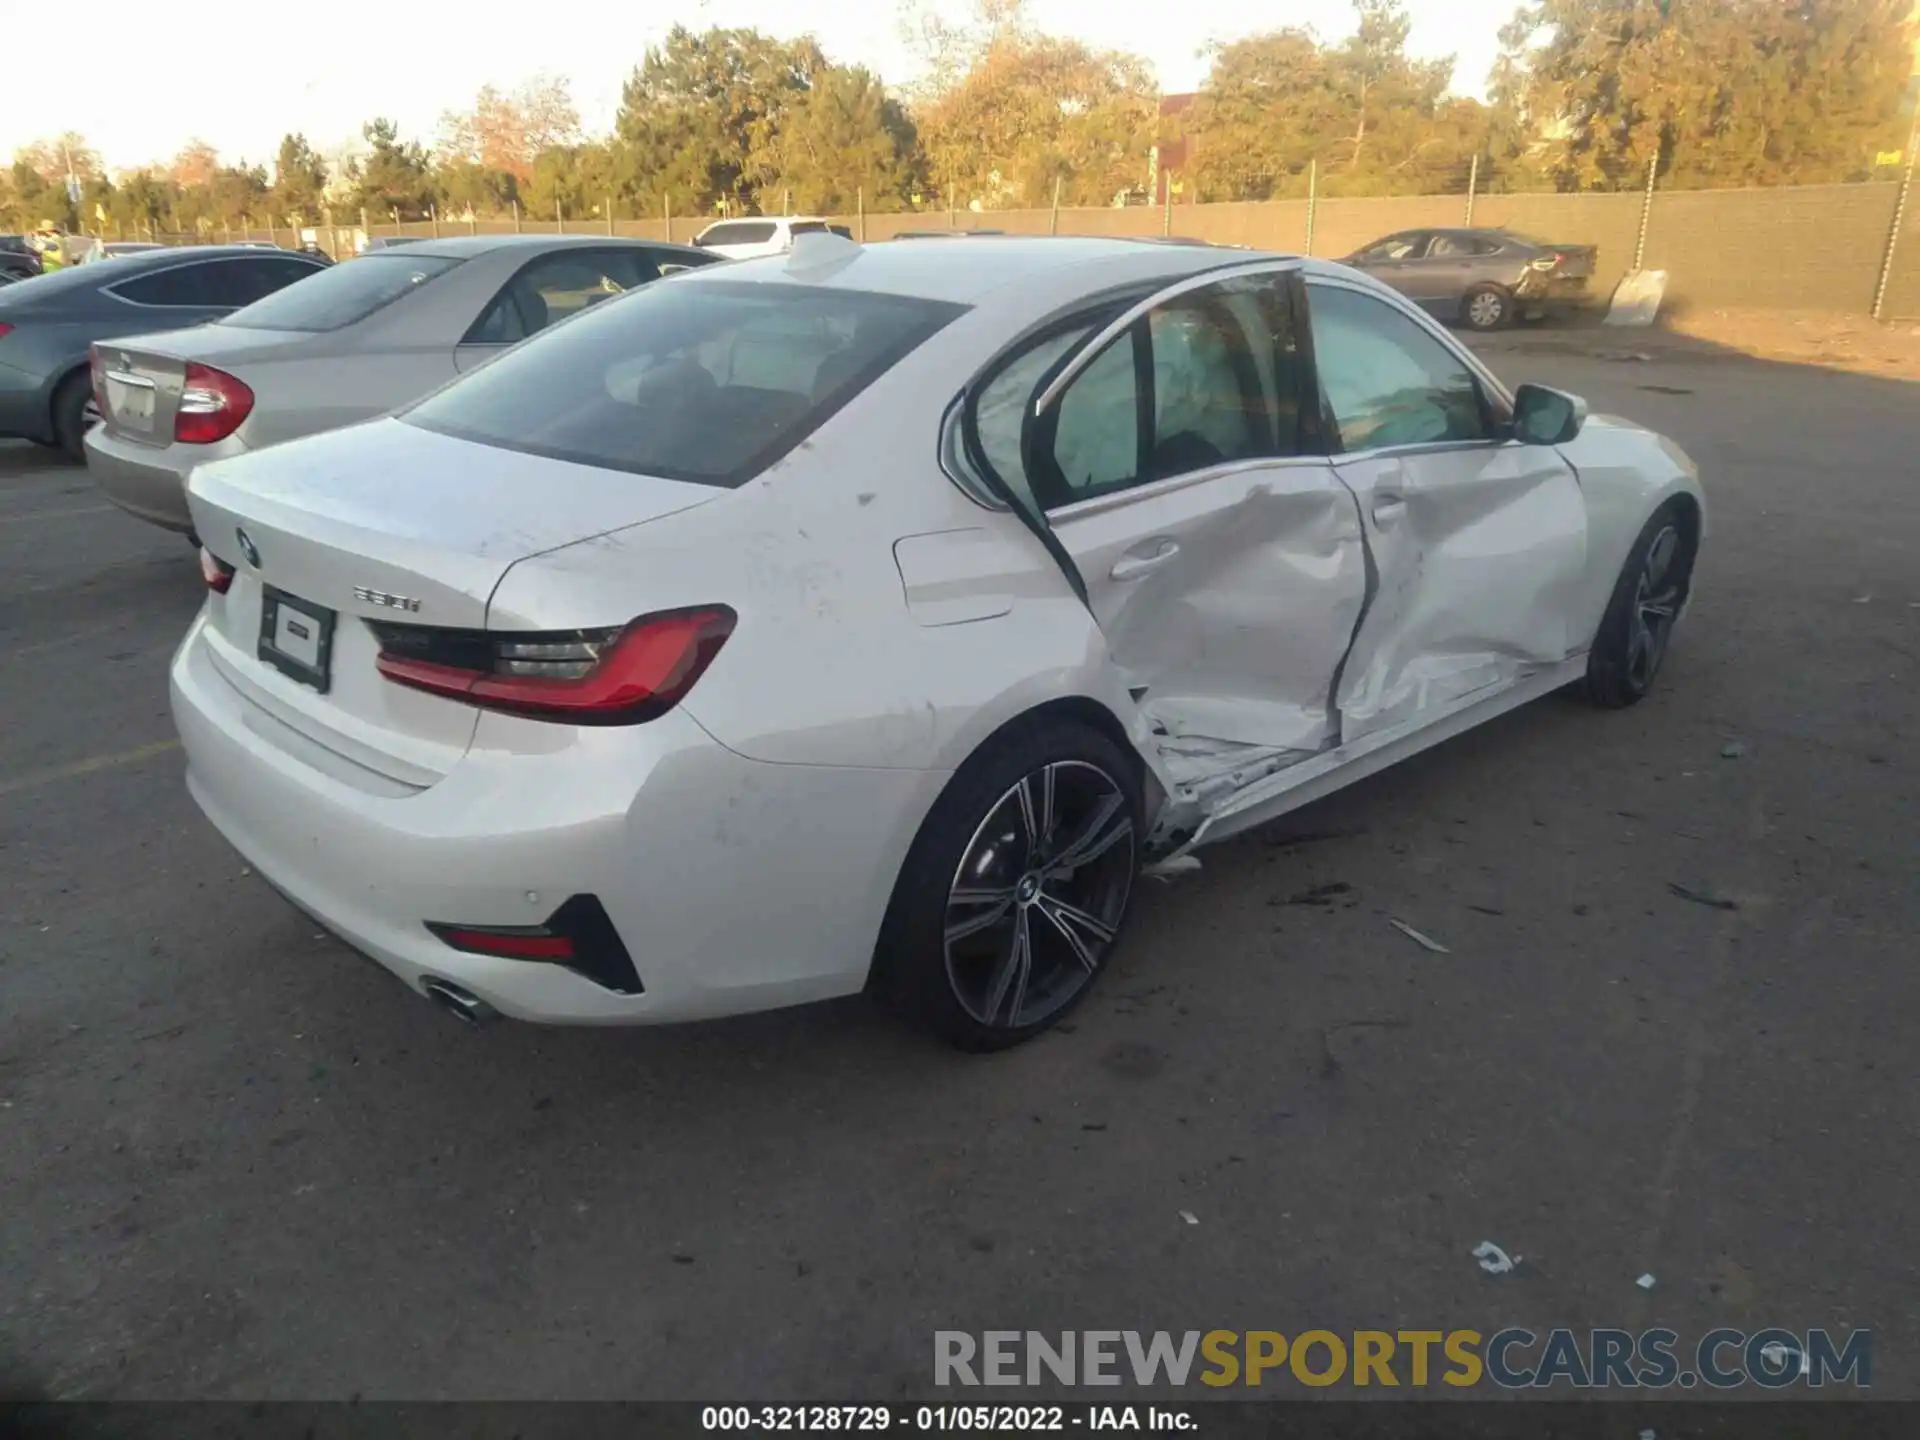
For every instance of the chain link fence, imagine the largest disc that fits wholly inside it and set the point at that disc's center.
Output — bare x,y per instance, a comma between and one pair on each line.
1851,249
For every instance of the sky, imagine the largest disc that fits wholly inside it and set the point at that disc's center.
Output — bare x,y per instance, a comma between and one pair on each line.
147,81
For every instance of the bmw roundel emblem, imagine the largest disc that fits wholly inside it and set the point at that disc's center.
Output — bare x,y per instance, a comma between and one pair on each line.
247,547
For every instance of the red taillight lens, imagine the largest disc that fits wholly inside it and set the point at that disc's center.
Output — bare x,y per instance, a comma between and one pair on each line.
509,944
581,677
5,329
216,572
212,406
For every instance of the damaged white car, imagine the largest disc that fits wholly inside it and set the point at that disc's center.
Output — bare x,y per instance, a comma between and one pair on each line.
868,617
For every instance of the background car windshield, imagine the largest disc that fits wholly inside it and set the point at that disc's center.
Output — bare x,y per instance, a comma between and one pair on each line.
705,381
342,294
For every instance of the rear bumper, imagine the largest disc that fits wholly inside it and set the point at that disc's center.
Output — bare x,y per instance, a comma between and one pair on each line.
149,482
735,885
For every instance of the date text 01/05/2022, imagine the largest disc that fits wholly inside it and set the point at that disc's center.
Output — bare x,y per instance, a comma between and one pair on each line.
976,1419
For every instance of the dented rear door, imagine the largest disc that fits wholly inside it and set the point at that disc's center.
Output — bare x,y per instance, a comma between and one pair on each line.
1221,555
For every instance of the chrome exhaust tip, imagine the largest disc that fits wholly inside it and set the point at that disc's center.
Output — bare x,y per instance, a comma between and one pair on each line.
463,1005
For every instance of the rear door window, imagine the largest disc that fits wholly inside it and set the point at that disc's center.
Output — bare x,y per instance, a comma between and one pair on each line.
705,381
241,282
190,286
556,286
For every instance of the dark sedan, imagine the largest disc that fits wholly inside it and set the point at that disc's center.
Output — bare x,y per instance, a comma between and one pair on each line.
1483,278
47,323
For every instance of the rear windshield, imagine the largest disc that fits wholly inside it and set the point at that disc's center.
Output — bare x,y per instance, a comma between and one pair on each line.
341,294
737,232
708,381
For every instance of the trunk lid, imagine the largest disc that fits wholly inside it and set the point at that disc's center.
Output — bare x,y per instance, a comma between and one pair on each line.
383,522
144,375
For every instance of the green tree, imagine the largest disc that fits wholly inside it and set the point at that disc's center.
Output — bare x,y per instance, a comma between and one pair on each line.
1375,119
697,108
299,179
842,136
1739,92
393,175
1032,109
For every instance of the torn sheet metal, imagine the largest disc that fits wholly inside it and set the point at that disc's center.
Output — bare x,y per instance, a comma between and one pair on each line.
1231,617
1480,556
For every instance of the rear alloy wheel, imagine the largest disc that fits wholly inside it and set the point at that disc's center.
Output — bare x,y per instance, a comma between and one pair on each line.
1647,600
1486,307
1017,889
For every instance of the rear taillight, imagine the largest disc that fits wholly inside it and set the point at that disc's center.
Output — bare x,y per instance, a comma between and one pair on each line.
216,572
621,676
212,406
97,370
5,329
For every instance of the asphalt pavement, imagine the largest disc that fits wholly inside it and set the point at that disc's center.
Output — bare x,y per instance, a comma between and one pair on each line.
237,1162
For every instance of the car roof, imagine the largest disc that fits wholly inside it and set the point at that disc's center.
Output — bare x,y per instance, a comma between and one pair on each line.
968,268
465,247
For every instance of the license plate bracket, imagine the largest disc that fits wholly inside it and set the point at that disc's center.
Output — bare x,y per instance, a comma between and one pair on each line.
296,638
130,402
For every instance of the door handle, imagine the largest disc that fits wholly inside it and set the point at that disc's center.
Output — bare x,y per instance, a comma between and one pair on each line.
1132,567
1387,509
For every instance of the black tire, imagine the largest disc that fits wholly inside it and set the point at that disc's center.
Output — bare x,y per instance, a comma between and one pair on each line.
1486,307
71,402
963,978
1637,630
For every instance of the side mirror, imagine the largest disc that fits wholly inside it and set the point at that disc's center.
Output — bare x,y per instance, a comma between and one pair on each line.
1546,417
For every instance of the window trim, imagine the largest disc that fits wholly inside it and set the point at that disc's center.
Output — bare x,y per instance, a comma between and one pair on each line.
1496,401
185,263
1123,304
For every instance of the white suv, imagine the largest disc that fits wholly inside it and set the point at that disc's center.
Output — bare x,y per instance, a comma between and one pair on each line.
763,235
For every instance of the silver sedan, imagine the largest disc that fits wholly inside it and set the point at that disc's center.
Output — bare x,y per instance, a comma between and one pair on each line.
352,343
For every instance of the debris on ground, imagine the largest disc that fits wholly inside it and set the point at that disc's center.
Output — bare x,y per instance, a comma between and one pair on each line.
1733,750
1321,896
1486,909
1426,942
1645,1282
1171,866
1700,897
1779,1355
1493,1259
1189,1217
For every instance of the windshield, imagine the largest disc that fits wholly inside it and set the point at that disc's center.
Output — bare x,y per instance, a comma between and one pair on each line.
706,381
341,294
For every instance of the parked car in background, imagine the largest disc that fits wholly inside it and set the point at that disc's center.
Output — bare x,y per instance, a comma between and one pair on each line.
48,323
386,242
867,617
763,235
18,259
1482,278
942,234
371,334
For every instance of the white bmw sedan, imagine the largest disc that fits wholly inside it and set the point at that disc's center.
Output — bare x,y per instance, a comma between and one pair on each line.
869,617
